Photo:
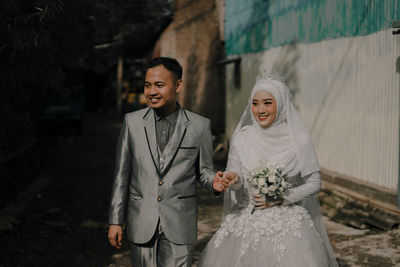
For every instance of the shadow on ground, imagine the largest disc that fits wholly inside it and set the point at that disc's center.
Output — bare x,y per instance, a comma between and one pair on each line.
65,222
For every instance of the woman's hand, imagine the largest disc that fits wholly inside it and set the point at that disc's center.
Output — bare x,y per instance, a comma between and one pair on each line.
261,203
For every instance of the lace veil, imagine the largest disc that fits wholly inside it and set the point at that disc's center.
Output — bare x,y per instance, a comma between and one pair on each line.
287,127
285,137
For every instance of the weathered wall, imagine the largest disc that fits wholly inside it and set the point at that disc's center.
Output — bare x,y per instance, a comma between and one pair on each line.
257,25
193,39
346,86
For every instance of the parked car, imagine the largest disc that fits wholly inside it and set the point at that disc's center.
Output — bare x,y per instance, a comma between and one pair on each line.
63,118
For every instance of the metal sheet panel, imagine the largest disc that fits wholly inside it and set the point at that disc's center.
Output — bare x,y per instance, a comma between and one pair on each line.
256,25
347,94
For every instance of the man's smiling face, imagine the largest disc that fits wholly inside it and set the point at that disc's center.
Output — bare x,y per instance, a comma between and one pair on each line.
160,88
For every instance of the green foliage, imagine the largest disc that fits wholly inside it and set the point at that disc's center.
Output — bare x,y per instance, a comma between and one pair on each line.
29,66
47,51
134,23
47,45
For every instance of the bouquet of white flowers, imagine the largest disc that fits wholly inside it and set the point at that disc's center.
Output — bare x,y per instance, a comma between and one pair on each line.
269,181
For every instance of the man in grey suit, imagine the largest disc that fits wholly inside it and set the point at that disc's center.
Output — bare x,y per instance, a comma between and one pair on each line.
162,150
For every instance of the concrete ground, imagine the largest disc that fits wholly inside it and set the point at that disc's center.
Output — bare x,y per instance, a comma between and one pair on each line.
352,247
62,219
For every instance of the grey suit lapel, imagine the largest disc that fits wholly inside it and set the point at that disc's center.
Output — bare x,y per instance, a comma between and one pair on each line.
171,149
150,132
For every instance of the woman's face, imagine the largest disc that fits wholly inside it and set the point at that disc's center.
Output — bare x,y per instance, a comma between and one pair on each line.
263,107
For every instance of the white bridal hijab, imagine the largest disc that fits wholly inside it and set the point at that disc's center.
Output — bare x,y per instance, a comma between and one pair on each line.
285,140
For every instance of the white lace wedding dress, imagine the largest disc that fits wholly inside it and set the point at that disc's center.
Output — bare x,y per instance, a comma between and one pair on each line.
292,234
277,236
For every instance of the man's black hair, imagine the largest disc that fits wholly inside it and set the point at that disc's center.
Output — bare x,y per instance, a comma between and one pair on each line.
170,64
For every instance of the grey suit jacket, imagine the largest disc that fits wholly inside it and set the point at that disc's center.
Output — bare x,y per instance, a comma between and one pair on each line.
143,193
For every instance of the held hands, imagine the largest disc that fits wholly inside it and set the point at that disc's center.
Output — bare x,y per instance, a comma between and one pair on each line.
222,180
115,235
261,203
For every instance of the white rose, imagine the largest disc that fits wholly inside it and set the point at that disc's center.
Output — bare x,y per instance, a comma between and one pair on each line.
271,188
261,181
271,178
264,190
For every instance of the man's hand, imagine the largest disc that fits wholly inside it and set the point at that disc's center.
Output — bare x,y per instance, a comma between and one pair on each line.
231,176
223,181
115,235
261,203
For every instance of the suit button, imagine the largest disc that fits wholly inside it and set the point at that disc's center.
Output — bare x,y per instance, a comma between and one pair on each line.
160,182
159,199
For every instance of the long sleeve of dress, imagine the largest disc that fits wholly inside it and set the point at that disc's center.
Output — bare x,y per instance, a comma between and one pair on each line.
234,165
310,188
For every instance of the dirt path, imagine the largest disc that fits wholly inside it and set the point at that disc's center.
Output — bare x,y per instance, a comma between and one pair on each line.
65,223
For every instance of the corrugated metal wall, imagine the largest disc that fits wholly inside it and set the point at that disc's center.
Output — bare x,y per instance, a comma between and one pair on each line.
347,93
338,58
256,25
349,99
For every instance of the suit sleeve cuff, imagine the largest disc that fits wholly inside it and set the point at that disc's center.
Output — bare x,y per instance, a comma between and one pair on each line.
216,193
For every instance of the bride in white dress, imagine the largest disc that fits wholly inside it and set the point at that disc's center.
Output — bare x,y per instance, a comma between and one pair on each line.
287,232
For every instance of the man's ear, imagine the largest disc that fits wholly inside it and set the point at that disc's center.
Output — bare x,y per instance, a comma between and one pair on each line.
179,86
